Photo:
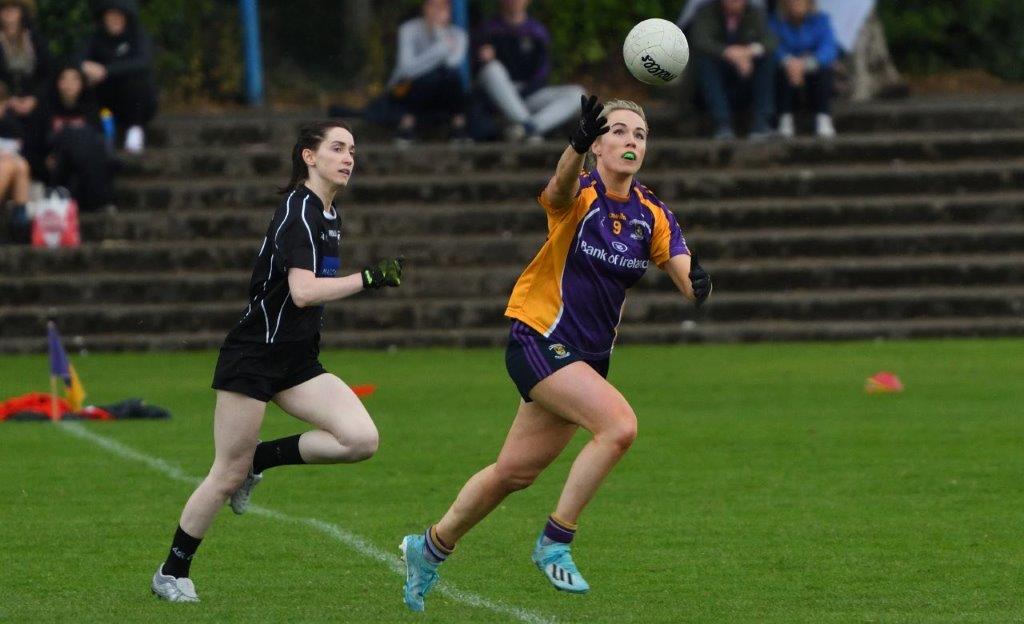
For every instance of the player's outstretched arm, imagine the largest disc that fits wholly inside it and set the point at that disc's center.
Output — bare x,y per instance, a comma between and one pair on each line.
308,290
690,278
562,187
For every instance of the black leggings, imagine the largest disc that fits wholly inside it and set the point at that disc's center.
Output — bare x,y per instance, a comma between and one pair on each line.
439,91
132,99
817,90
83,166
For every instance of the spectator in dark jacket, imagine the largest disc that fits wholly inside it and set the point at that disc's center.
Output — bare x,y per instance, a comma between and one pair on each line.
734,52
117,60
25,70
807,50
513,55
78,158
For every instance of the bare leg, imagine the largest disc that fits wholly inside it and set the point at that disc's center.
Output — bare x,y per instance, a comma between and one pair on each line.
534,441
236,425
344,430
582,396
21,182
8,174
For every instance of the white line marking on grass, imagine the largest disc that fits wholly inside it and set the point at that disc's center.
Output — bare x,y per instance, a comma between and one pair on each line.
356,542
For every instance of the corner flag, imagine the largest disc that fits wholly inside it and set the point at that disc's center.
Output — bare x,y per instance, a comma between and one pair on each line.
60,367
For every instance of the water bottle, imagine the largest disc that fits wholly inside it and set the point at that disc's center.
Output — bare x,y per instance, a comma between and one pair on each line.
109,129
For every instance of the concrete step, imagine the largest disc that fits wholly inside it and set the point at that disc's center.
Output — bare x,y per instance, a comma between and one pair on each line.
458,219
664,154
490,249
244,126
791,182
375,313
497,336
423,282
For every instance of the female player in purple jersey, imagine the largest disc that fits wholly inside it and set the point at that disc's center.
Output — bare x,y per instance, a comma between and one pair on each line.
604,229
271,354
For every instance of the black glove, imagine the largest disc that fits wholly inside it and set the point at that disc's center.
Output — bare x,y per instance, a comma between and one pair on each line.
591,125
700,281
384,273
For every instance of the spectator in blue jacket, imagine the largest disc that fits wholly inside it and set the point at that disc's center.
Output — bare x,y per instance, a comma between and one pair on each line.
807,50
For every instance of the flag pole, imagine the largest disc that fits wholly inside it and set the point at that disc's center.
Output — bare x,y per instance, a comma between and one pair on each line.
54,415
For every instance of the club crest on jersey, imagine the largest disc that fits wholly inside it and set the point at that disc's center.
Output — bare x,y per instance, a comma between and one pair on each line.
620,247
559,350
639,227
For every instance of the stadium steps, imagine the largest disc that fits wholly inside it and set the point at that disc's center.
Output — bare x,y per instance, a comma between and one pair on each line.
278,128
673,154
670,186
747,276
525,216
910,224
489,249
372,313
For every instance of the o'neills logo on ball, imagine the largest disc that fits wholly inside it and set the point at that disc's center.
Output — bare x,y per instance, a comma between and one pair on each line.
655,70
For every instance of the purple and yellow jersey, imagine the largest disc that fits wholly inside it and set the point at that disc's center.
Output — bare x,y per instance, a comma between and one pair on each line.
597,248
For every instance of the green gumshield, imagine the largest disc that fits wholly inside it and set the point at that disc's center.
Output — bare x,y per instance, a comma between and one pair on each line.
629,156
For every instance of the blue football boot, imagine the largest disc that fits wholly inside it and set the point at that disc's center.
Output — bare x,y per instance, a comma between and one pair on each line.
555,561
420,574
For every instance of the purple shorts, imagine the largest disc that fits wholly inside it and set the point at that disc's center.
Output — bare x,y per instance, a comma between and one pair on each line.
530,357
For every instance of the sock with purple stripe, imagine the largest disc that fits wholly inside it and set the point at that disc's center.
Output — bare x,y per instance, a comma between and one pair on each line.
559,531
434,549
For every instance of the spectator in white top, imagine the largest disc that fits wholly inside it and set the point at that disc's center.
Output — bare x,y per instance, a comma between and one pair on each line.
426,79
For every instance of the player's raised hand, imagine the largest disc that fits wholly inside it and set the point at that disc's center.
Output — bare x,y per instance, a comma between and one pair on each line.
590,126
384,273
700,281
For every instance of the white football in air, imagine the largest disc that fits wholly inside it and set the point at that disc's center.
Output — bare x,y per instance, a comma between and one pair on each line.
656,51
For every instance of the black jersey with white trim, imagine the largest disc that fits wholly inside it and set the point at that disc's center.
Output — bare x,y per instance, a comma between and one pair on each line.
301,235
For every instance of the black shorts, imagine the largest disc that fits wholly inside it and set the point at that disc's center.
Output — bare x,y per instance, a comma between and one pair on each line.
260,370
530,358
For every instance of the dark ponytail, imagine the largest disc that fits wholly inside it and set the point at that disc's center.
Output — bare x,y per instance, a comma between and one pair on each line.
310,137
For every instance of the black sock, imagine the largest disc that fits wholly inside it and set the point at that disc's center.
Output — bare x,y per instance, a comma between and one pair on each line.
183,548
280,452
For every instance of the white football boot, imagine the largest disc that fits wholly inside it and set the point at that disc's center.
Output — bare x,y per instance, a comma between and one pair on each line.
240,499
172,589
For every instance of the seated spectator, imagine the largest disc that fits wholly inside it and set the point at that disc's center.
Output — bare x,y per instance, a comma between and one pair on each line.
734,54
807,50
426,79
14,176
512,51
117,60
24,69
78,158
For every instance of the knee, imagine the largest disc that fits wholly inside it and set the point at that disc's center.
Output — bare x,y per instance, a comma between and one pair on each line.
513,478
620,432
364,447
227,479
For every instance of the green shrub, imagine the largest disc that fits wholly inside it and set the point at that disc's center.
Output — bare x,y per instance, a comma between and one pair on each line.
926,36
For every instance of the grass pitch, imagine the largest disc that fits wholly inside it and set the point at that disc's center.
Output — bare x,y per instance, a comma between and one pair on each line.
765,486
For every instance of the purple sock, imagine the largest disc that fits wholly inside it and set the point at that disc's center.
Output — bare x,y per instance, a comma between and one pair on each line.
559,531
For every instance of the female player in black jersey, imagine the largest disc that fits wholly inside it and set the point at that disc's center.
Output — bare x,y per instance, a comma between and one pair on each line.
271,353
